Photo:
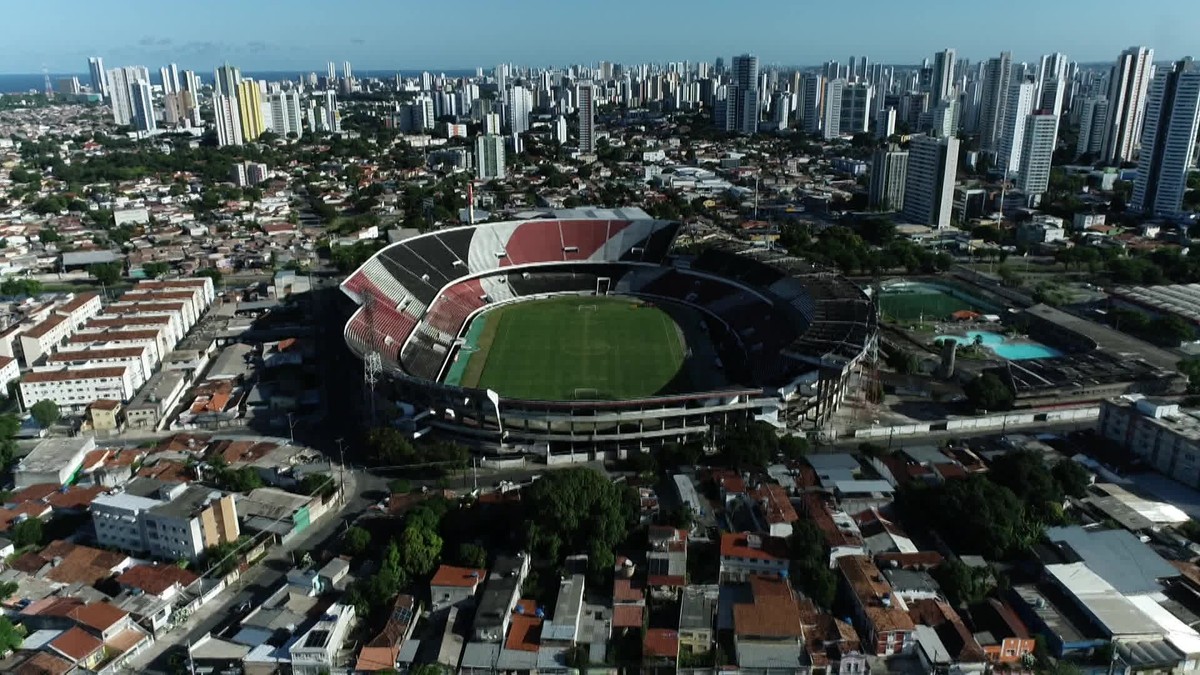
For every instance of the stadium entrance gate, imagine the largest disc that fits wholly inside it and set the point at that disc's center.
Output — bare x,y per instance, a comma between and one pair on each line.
602,285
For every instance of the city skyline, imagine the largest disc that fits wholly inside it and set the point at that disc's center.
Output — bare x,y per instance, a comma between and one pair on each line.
417,37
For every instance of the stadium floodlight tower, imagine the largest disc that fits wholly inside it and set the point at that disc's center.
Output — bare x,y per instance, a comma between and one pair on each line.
495,399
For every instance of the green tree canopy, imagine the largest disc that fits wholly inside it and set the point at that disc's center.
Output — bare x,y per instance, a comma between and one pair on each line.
357,540
575,511
45,413
106,273
10,637
26,533
989,392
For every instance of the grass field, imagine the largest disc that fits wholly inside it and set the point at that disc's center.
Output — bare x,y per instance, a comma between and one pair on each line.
924,302
577,348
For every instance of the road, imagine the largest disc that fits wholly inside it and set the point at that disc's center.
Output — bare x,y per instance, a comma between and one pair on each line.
263,576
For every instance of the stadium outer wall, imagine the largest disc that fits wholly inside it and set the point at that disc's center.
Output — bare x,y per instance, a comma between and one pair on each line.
577,430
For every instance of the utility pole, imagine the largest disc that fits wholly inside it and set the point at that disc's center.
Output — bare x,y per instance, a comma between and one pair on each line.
342,468
291,430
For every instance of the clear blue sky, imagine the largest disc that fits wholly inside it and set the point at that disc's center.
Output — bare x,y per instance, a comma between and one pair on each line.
430,34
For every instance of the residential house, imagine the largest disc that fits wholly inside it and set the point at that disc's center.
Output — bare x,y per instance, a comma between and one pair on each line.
382,651
879,616
768,634
452,585
744,554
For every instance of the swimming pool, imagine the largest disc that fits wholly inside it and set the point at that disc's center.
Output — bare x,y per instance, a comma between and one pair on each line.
1002,347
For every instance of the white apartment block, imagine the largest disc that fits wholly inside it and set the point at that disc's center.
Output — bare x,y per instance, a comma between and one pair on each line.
9,372
73,389
192,307
80,308
41,338
114,339
176,309
165,333
1161,434
169,521
137,358
171,322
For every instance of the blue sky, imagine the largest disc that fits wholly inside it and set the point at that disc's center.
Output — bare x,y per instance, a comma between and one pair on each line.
409,35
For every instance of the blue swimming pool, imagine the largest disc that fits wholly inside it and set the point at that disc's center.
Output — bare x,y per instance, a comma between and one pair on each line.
1003,347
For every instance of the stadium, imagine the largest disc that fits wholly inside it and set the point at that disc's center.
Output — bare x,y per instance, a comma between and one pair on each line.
576,331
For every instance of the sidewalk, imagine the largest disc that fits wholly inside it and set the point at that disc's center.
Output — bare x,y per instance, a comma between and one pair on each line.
212,613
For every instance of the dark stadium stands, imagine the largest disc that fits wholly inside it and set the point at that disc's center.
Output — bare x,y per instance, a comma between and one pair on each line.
655,247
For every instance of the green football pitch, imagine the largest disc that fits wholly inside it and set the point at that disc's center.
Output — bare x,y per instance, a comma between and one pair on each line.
576,348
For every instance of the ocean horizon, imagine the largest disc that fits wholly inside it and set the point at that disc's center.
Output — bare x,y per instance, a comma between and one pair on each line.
21,83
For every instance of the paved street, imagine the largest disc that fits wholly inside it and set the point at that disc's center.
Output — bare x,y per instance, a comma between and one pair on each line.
260,579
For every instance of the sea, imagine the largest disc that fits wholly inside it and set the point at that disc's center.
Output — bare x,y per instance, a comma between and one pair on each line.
26,82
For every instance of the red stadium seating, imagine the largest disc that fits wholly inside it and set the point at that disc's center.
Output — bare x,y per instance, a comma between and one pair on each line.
588,236
535,241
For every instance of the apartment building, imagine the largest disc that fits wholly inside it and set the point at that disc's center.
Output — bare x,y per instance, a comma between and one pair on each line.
137,357
175,309
41,338
1160,433
169,521
316,652
116,339
167,335
9,372
79,309
73,389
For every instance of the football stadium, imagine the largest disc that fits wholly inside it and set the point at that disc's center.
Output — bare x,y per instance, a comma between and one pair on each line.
577,331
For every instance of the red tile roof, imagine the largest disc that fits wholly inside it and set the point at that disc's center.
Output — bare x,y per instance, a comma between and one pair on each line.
76,644
661,643
44,663
99,615
73,374
524,633
737,545
773,614
155,579
461,577
627,616
627,590
75,498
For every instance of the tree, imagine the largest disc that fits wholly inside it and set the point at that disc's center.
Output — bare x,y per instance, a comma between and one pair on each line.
472,555
989,392
421,548
749,445
963,585
1072,479
156,269
793,447
10,637
810,565
7,589
1025,473
211,272
45,413
356,540
577,510
106,273
26,533
399,486
974,515
321,484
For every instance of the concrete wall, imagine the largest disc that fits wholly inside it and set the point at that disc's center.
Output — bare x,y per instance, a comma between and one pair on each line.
982,423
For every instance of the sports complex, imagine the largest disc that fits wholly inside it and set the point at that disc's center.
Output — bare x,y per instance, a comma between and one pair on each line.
578,331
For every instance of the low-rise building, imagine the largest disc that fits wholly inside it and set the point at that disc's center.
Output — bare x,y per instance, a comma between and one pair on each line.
316,651
79,309
878,615
54,460
767,631
743,555
452,585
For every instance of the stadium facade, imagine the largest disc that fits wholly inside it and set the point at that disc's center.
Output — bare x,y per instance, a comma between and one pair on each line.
790,334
